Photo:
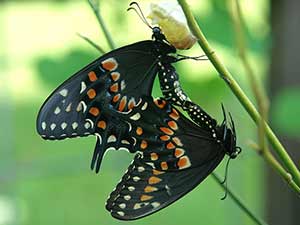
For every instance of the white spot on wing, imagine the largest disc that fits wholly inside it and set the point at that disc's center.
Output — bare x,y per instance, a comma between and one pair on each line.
145,106
74,125
121,213
57,110
83,87
111,138
87,125
64,92
125,142
68,109
123,85
44,125
131,188
141,169
136,116
52,126
127,197
136,178
137,206
155,204
63,125
122,205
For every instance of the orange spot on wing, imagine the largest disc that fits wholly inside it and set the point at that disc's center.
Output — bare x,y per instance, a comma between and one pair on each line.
101,124
114,87
148,189
94,111
174,114
91,93
154,180
154,156
166,130
160,103
157,172
164,165
92,76
122,104
170,145
164,138
115,76
173,125
184,162
131,103
139,131
178,152
109,64
146,197
177,141
144,144
116,98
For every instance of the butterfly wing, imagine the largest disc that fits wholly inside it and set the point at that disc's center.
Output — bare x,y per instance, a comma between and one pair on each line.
175,155
117,78
144,190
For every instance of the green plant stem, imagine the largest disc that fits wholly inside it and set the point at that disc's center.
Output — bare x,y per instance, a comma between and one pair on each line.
95,8
260,96
276,166
261,99
238,201
88,40
244,100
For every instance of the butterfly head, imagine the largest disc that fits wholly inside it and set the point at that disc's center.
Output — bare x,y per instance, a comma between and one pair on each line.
229,137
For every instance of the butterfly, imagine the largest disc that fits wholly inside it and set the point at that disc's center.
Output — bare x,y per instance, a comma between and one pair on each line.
111,99
90,101
173,156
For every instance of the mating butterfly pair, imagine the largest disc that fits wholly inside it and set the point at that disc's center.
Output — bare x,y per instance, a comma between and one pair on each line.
111,99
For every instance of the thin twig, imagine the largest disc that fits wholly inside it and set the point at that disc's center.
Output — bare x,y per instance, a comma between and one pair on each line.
95,8
238,201
88,40
239,93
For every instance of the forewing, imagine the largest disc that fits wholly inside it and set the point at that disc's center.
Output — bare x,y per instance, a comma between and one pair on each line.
75,107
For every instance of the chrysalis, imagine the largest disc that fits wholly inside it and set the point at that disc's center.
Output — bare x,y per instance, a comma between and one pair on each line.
170,18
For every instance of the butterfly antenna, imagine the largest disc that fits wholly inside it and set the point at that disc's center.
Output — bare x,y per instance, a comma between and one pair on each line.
183,57
225,179
139,12
224,121
224,114
232,123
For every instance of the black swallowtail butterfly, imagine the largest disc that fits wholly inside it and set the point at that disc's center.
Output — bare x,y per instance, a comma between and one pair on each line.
111,98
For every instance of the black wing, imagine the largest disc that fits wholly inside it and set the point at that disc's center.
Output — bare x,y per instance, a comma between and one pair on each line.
175,155
117,78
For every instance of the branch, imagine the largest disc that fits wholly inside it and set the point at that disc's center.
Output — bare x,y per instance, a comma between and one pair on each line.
276,166
95,8
244,100
238,201
88,40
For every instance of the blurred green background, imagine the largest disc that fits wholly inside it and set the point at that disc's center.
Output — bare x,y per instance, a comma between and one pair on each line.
49,182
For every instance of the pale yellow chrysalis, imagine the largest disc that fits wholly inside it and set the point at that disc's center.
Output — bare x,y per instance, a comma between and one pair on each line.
170,18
